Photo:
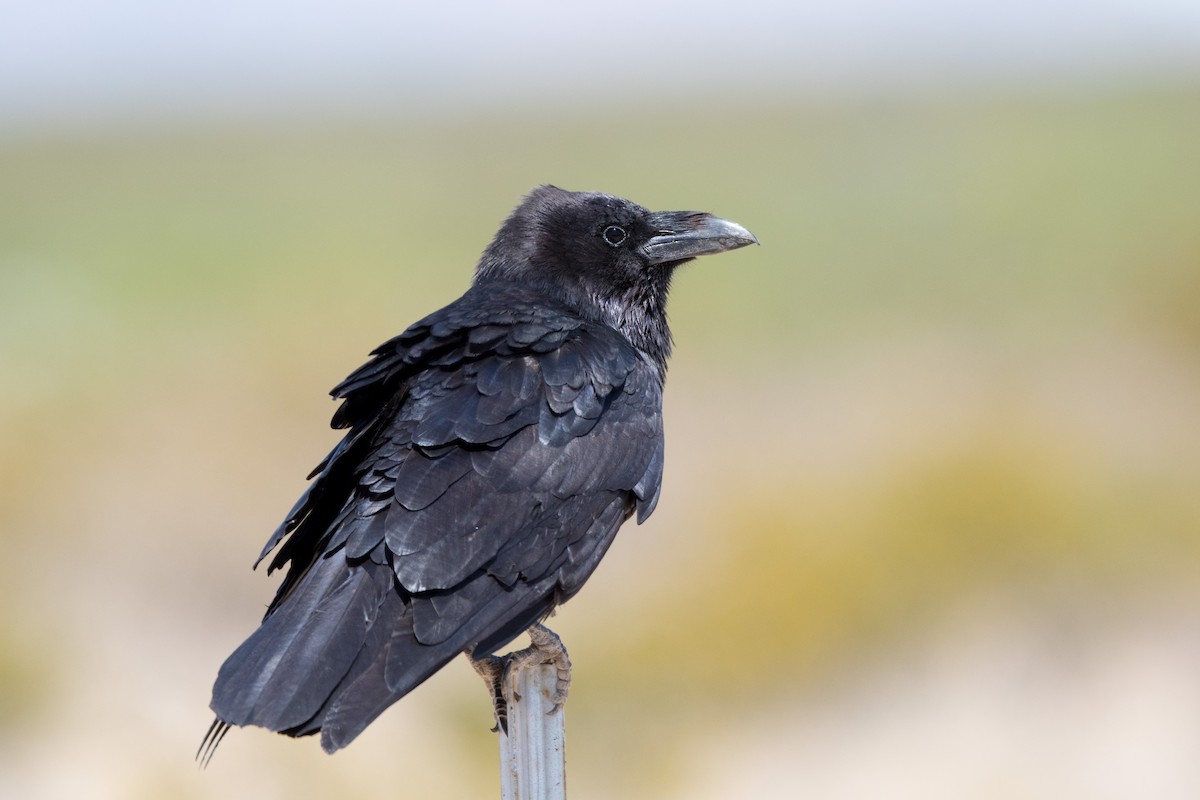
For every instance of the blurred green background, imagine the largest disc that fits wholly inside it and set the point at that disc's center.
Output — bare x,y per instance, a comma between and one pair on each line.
931,518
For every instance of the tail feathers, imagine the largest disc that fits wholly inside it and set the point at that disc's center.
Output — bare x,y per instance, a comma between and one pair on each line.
385,674
343,647
281,676
365,693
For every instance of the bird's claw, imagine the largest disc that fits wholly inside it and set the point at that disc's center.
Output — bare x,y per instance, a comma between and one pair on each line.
545,648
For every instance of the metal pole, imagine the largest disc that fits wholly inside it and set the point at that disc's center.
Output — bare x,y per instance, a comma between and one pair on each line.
532,755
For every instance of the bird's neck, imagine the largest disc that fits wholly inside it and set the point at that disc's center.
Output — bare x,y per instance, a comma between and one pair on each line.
639,313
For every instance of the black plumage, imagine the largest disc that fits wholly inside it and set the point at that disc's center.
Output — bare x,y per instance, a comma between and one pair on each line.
492,451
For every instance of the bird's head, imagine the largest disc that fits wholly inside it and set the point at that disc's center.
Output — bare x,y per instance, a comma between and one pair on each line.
606,257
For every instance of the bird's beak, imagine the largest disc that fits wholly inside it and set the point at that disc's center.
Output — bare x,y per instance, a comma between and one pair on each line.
680,235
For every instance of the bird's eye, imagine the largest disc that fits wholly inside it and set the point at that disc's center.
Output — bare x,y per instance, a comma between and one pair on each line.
614,235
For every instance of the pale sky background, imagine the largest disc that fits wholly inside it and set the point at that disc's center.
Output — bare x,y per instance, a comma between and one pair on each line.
67,62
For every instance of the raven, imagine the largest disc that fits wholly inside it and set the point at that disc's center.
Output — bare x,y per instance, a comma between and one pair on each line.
492,451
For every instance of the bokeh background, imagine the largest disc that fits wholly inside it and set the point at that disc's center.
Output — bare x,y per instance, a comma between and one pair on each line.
931,519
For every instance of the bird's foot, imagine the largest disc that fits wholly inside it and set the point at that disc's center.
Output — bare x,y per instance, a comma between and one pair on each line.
545,648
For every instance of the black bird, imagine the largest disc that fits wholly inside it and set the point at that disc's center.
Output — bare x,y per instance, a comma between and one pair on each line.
492,451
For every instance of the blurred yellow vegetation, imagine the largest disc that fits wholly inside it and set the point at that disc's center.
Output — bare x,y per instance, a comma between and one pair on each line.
801,577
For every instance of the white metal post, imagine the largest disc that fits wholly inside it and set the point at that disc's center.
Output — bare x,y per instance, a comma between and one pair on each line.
532,755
